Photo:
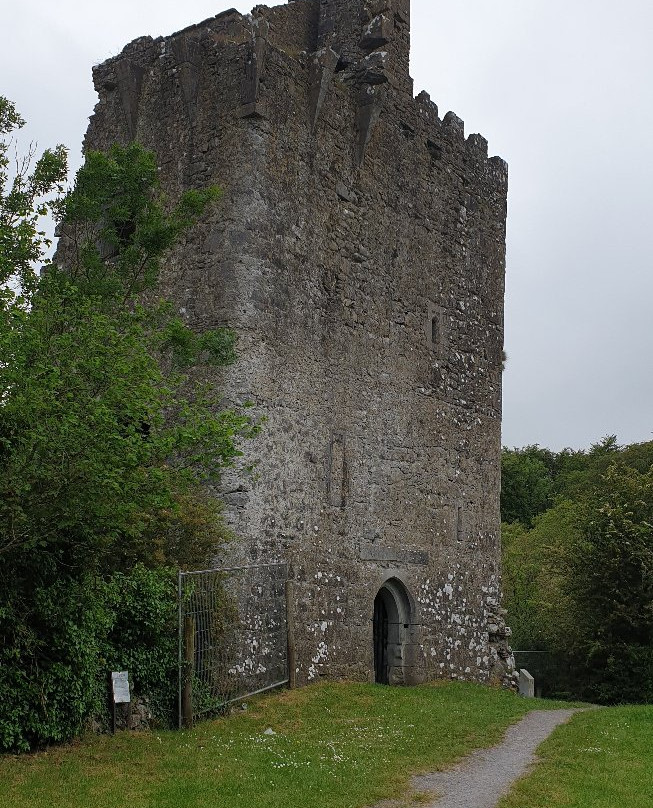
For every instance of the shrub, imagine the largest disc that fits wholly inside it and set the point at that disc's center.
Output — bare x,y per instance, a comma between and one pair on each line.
57,653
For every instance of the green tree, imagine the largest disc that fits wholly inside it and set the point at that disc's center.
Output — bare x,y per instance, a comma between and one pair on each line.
609,577
533,478
526,484
536,596
579,583
33,192
578,473
107,443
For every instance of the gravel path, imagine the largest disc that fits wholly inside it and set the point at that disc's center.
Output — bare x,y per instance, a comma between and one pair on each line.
481,779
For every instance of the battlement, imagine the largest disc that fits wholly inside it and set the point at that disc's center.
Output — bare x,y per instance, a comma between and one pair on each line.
371,35
360,44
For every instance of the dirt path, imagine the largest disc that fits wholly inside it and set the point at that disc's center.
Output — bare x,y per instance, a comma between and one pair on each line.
482,778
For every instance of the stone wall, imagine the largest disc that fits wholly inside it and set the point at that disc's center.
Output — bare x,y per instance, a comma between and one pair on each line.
359,252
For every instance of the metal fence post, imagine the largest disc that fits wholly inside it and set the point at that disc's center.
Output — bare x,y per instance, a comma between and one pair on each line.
187,689
290,624
236,636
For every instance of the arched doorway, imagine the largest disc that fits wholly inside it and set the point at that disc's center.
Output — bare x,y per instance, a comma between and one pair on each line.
392,619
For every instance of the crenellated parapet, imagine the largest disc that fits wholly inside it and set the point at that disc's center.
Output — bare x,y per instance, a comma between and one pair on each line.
361,45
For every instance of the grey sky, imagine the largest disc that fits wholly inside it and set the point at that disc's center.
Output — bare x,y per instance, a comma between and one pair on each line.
561,91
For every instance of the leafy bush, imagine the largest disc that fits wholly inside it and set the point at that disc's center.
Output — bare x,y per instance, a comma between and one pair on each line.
143,634
49,655
107,438
622,674
57,653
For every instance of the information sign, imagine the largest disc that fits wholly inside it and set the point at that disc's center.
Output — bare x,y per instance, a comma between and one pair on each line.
120,686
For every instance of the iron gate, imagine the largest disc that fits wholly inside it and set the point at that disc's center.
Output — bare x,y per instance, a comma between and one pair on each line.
233,636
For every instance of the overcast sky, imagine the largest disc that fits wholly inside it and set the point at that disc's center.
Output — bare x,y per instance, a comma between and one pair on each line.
562,91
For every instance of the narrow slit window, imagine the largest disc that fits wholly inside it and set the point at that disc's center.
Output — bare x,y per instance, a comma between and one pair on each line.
435,331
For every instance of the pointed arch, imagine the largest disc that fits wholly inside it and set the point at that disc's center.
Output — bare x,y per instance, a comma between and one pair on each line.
393,616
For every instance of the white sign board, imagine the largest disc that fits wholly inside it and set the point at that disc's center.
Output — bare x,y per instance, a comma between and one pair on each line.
120,685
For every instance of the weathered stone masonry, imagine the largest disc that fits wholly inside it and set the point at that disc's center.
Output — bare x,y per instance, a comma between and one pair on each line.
359,252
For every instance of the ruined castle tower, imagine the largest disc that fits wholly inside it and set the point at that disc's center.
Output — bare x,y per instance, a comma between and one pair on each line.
359,253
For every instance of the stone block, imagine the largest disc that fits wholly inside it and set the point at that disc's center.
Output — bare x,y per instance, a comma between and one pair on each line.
526,684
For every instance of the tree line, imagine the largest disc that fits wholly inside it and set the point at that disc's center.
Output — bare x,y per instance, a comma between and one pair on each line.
577,539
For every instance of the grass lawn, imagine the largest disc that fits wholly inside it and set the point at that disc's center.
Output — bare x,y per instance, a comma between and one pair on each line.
335,746
602,759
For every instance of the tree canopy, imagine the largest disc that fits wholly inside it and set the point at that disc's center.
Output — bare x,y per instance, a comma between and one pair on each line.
107,441
578,572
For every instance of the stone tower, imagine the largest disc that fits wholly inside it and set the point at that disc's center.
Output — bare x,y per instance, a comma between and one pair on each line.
359,253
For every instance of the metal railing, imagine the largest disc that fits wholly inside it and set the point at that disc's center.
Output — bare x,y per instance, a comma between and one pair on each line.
233,636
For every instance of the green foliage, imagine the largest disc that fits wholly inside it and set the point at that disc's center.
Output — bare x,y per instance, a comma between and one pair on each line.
50,633
118,218
609,574
520,572
61,637
526,485
579,583
533,478
22,204
535,591
143,635
100,436
106,439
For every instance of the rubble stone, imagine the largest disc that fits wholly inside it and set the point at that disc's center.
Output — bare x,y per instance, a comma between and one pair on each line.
359,252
